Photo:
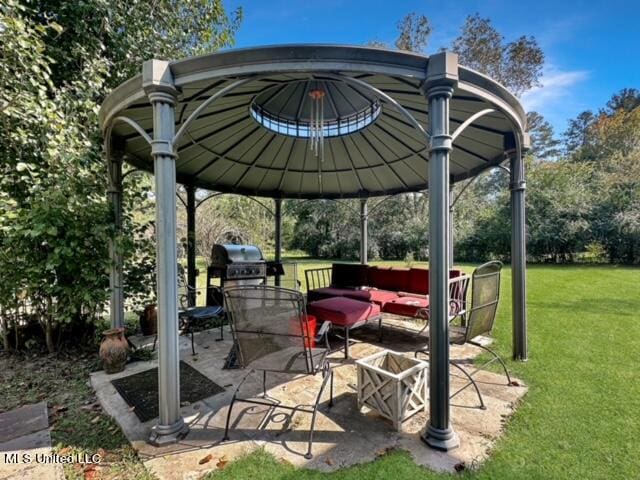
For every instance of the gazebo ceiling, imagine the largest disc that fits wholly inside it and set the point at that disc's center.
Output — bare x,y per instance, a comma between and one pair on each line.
255,139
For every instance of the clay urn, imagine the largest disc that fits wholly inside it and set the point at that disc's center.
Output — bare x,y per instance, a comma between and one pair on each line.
114,350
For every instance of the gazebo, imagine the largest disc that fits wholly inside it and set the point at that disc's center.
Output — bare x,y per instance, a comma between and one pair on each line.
313,122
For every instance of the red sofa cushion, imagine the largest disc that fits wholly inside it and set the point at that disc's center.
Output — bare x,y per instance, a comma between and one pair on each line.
406,306
327,292
387,278
349,275
379,297
344,312
419,281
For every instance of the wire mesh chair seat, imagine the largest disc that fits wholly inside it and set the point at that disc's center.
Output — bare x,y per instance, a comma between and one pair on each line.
478,320
272,332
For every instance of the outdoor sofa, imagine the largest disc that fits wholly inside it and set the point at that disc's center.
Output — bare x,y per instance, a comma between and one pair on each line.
350,295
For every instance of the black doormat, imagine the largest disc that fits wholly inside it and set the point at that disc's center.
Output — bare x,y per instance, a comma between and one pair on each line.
140,390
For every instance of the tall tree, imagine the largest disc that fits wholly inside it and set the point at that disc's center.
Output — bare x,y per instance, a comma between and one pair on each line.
517,64
578,136
414,31
544,145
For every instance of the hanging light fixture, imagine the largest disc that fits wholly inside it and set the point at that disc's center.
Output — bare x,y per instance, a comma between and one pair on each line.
316,123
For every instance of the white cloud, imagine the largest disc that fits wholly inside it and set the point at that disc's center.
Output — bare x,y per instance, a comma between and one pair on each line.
556,86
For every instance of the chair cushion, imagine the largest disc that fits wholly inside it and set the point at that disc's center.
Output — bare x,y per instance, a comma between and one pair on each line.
344,312
349,275
387,278
406,306
327,292
379,297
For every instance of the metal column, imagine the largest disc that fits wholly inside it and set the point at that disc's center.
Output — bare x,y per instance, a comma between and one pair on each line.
518,256
192,272
158,83
450,250
116,277
364,231
278,234
442,75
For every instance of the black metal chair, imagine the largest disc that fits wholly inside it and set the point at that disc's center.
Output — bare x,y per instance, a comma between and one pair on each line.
271,330
188,316
478,320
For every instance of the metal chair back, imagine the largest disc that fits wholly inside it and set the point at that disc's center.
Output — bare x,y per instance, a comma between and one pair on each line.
485,294
318,277
270,328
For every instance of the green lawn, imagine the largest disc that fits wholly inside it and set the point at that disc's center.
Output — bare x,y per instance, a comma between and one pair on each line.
581,417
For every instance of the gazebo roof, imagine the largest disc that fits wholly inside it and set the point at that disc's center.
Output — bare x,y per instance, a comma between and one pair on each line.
254,139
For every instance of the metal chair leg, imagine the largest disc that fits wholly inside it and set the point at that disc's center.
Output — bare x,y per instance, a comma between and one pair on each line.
155,340
471,382
190,328
233,399
380,329
497,357
346,342
309,455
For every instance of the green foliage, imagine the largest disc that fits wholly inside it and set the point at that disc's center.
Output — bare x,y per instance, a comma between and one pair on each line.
58,61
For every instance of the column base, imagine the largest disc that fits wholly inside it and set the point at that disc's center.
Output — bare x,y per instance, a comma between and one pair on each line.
438,439
168,434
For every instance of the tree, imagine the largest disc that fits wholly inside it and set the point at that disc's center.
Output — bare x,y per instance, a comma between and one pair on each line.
544,145
517,64
414,31
53,77
577,137
627,99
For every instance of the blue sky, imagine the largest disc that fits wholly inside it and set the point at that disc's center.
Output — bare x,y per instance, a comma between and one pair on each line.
592,48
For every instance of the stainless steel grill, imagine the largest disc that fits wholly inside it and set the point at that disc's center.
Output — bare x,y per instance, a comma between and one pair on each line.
237,265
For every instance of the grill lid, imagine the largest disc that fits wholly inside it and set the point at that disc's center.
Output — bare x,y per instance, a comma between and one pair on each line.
222,255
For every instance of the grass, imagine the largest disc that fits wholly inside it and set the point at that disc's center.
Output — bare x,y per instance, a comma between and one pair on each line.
579,419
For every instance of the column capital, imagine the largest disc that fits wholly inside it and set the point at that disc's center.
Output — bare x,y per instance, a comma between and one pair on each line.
158,78
442,74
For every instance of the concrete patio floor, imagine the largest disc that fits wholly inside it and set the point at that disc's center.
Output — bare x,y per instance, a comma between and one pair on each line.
344,435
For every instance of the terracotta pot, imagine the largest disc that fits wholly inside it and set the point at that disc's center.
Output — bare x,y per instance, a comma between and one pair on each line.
149,320
114,350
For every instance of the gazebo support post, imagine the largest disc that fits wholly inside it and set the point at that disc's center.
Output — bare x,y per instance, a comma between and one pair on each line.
157,81
518,254
442,76
278,234
116,277
364,231
450,251
192,272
